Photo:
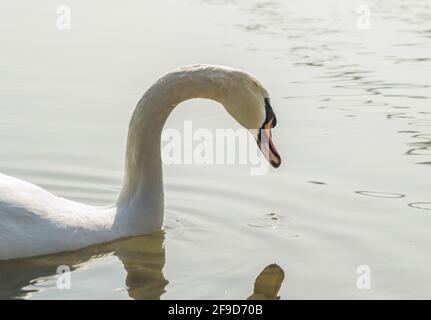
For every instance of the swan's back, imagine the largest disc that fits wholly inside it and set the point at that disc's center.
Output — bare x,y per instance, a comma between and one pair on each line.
33,221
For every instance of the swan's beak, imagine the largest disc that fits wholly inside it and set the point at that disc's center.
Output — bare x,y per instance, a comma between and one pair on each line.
264,141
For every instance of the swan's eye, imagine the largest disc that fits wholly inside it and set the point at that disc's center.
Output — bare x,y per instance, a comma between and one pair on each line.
269,113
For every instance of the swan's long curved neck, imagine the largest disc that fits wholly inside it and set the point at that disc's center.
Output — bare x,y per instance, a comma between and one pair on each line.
142,192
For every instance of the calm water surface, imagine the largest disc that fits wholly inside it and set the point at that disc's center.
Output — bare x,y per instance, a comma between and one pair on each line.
354,131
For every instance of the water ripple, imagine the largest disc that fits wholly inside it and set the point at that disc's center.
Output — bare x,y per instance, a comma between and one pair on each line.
421,205
380,194
270,221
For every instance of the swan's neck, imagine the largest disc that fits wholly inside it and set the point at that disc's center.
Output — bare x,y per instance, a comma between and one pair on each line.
142,192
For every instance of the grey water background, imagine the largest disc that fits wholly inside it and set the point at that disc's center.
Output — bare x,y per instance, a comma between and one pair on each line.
354,132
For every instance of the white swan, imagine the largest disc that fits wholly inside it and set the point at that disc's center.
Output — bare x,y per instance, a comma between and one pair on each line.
36,222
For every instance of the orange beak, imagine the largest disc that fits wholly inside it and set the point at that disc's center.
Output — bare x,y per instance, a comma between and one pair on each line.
264,141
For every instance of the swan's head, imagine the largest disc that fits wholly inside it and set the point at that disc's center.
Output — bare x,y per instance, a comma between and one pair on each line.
247,101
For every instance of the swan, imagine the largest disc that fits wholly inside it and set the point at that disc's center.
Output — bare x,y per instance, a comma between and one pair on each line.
36,222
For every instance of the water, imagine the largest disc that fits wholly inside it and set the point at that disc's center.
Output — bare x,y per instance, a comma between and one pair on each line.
354,118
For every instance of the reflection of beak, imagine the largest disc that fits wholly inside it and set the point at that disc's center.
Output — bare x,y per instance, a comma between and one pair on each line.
268,283
264,141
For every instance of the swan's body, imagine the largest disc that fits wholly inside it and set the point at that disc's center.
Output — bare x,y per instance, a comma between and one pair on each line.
36,222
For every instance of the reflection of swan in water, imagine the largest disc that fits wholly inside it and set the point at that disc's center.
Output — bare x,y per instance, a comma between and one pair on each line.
142,257
268,283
